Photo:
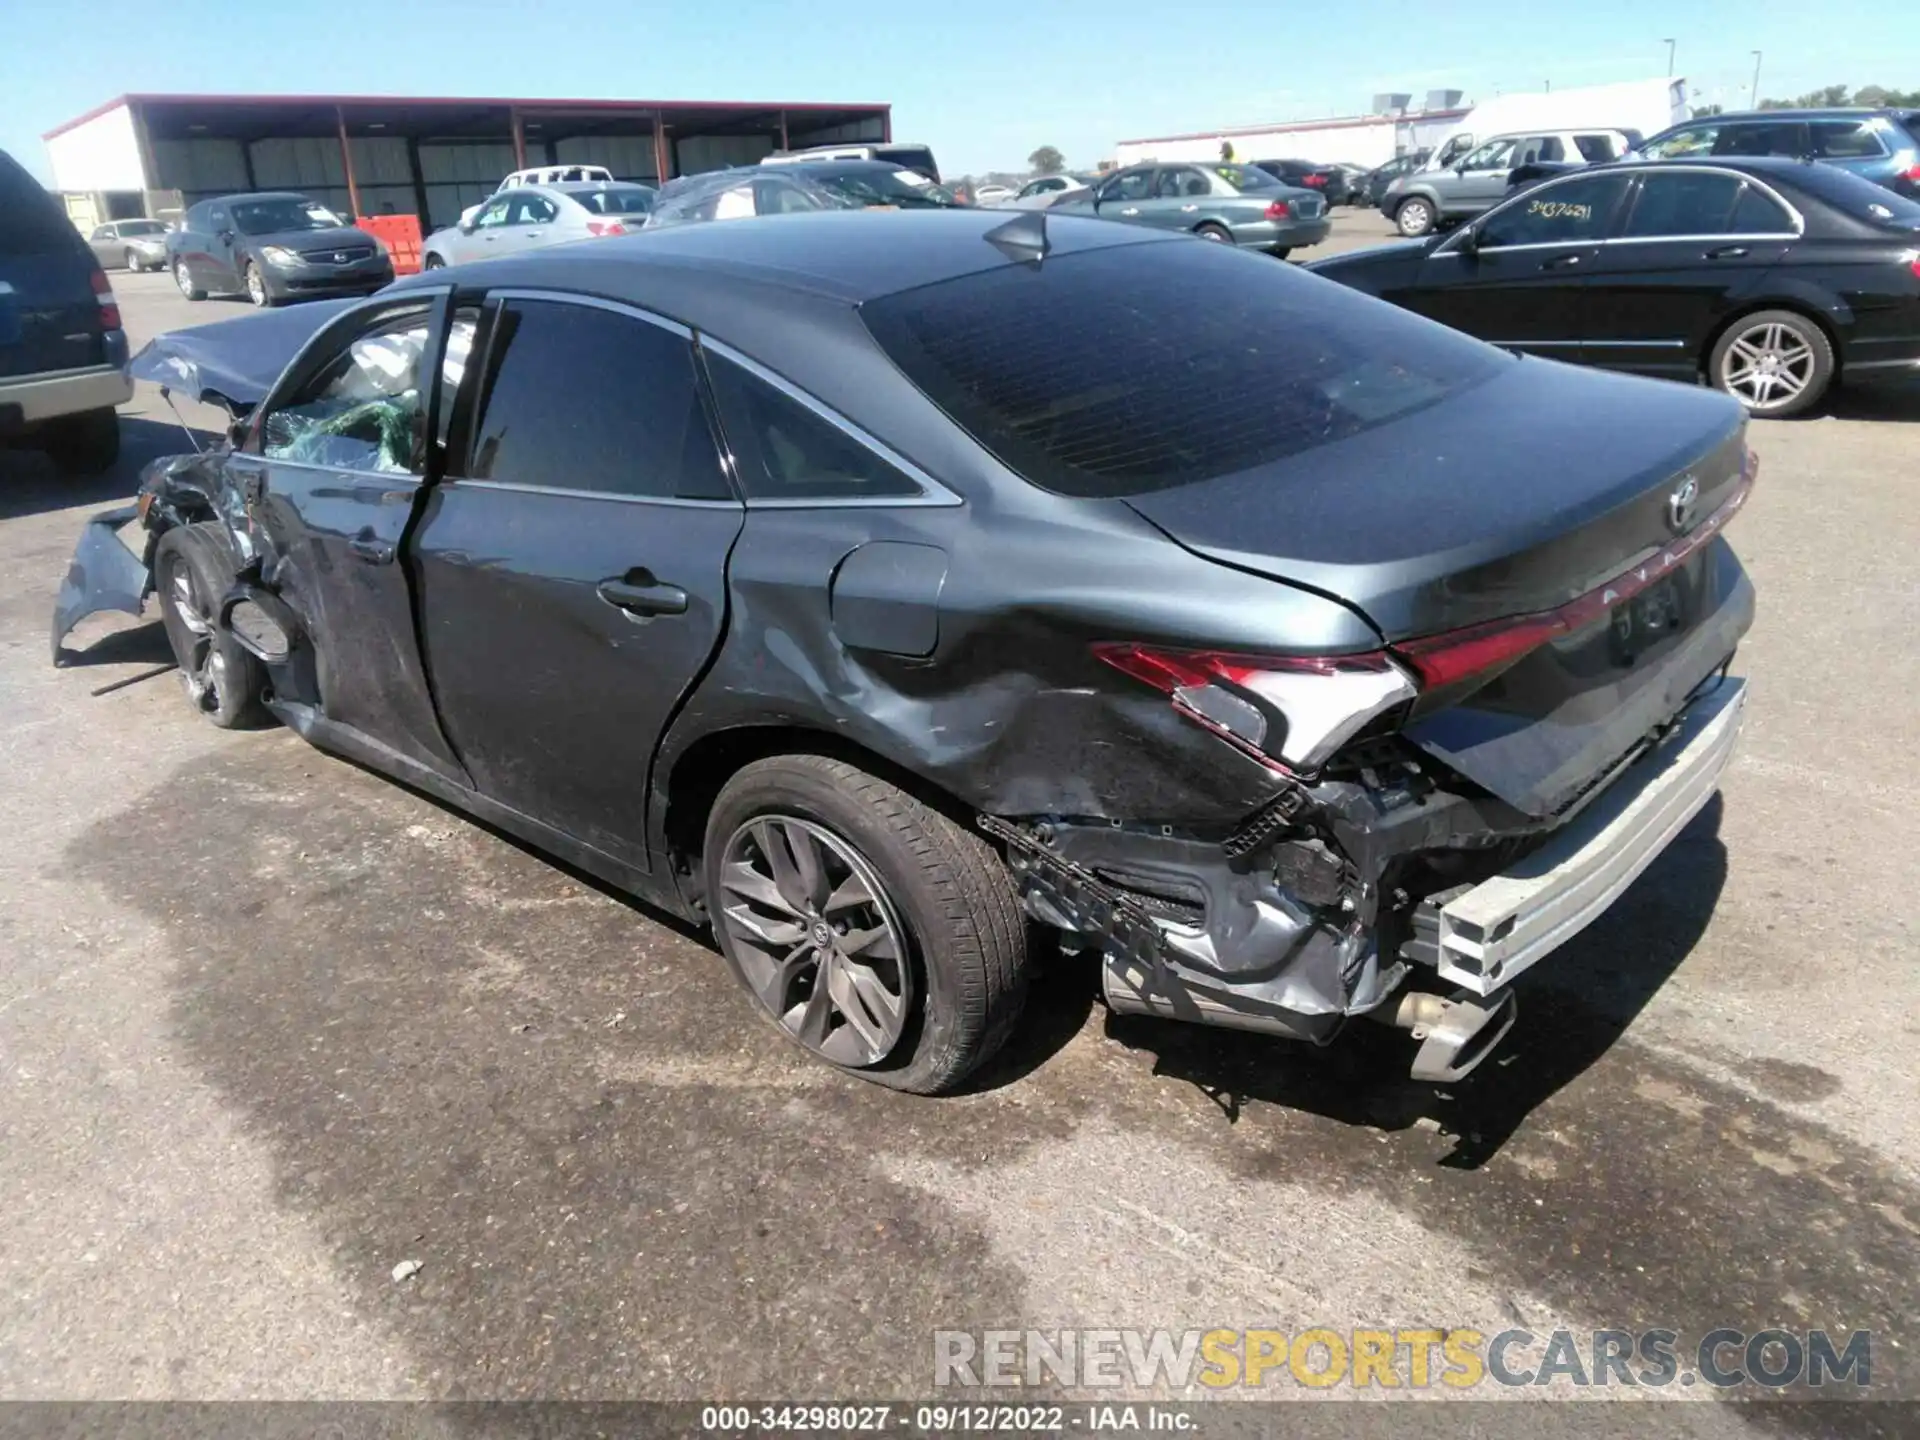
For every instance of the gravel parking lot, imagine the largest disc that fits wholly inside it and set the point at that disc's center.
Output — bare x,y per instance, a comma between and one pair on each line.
270,1025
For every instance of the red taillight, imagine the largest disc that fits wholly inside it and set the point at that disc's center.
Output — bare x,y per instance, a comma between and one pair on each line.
109,310
605,227
1912,172
1914,265
1279,210
1315,180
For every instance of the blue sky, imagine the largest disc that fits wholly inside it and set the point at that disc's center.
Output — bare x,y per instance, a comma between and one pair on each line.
983,81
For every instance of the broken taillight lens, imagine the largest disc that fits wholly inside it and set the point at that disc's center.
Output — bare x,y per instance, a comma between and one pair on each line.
1292,712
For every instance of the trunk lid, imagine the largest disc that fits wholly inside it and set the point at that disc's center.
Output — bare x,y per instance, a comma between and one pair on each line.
1513,496
1516,497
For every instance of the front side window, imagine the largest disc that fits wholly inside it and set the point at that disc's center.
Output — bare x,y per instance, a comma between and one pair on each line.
577,397
1683,203
1541,147
1691,140
1137,368
495,213
784,450
1129,185
1596,149
531,210
365,410
1845,140
1494,155
1570,213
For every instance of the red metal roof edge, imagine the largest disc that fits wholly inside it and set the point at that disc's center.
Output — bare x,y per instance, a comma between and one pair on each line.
469,101
1343,123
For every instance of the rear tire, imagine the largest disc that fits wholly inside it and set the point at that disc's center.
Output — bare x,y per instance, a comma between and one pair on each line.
1218,234
224,682
134,267
1415,217
83,444
947,975
433,262
185,282
1775,362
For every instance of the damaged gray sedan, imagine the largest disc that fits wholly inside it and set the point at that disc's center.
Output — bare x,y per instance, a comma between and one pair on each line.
868,586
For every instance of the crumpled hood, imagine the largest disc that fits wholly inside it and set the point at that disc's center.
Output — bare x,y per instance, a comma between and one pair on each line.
232,363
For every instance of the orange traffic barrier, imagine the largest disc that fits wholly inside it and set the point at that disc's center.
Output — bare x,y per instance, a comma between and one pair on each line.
401,235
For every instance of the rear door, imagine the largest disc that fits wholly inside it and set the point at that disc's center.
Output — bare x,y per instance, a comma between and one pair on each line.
50,318
1477,182
334,465
1181,199
1518,278
572,570
1693,244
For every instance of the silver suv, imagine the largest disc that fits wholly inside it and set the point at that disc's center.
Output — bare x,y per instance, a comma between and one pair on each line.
1478,181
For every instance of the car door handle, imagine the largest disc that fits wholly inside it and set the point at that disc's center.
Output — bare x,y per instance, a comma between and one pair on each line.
1560,262
374,552
1728,252
641,594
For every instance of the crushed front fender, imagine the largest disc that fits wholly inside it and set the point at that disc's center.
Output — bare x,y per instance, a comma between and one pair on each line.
103,575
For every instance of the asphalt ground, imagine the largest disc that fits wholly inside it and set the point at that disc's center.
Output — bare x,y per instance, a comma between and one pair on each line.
271,1025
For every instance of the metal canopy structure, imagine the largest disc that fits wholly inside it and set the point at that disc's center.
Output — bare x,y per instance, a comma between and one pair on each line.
427,154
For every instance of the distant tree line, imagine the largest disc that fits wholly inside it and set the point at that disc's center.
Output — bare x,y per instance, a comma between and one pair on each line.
1872,96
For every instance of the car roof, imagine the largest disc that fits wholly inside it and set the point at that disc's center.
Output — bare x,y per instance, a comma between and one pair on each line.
591,187
258,195
866,166
1829,112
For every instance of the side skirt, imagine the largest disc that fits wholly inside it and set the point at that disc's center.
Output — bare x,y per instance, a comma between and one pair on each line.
353,744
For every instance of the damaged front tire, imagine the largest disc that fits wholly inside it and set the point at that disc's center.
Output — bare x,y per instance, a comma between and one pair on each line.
223,681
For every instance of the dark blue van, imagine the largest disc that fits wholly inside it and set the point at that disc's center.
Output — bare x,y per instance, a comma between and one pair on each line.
63,354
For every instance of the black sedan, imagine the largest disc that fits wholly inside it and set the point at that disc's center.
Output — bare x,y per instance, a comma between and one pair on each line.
869,586
1772,279
273,246
1331,182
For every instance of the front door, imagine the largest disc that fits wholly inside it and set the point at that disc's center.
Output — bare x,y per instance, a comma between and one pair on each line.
335,462
572,570
1693,245
223,253
1518,277
1126,195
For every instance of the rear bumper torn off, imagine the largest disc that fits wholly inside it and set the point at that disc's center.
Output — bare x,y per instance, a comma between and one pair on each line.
1482,937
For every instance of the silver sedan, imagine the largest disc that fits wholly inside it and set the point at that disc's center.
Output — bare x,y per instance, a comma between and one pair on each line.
530,217
136,244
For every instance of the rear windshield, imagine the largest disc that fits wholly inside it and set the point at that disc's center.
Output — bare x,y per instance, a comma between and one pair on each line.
31,220
1143,367
624,200
1246,177
914,157
1858,198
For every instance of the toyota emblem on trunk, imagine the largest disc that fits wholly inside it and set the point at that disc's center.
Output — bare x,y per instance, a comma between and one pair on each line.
1680,504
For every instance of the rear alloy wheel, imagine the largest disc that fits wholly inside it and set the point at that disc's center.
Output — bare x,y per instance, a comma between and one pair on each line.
185,282
1213,233
1414,217
433,262
1775,362
878,934
223,681
257,288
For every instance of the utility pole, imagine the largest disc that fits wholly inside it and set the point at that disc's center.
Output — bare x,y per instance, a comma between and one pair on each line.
1753,100
1669,45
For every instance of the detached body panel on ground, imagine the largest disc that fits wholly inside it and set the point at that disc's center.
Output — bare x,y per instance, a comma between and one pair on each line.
846,581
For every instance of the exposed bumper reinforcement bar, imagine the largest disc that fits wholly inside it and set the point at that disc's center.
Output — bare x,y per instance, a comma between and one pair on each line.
1487,935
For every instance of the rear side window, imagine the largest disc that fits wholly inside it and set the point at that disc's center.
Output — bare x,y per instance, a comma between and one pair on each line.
1844,140
31,220
577,397
1569,212
1137,368
1594,149
1683,203
1757,213
784,450
1780,137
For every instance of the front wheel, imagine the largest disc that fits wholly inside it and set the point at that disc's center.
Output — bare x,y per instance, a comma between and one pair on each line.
185,282
224,681
257,288
878,934
1774,362
1414,218
134,267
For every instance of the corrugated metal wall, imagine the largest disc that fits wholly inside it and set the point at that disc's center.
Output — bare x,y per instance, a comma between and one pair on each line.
459,174
199,169
698,153
872,129
629,157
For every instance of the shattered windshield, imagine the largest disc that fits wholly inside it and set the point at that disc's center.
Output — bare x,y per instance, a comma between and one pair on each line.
740,194
276,217
875,185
